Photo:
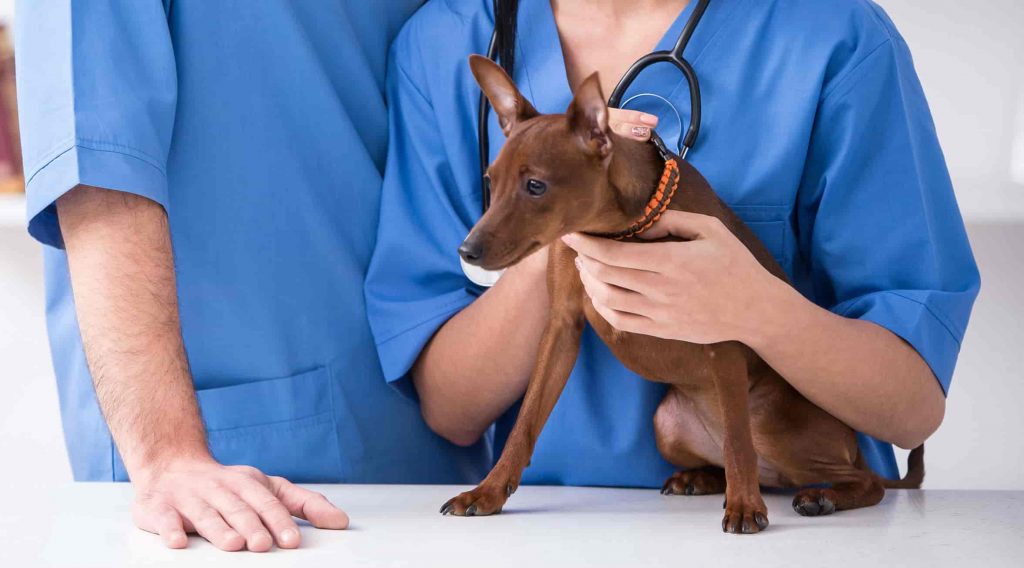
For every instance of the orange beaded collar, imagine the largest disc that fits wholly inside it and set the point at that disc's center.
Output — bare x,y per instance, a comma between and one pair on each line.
658,202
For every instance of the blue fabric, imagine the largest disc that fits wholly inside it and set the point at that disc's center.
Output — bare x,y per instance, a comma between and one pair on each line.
815,131
261,128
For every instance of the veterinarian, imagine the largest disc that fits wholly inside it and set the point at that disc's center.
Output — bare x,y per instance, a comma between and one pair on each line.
205,177
815,131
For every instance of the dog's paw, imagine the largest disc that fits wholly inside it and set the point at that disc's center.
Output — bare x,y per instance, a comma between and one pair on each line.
745,516
704,481
815,502
487,499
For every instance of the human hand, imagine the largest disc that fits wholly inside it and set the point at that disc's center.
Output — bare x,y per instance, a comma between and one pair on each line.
632,123
705,290
233,507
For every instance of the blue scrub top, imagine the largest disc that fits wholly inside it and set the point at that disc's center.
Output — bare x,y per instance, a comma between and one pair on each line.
261,128
815,131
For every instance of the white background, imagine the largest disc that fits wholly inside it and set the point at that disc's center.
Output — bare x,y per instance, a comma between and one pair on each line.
970,56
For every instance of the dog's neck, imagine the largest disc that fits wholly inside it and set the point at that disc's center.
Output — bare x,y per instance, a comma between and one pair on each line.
633,176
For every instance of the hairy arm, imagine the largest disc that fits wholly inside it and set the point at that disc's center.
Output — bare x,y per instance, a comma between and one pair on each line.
122,274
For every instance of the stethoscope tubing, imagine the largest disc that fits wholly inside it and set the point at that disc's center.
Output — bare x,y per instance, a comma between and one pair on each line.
483,132
673,56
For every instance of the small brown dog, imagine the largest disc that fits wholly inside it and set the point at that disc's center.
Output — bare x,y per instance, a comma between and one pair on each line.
726,408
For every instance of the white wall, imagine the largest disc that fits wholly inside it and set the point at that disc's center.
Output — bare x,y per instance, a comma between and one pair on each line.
31,441
970,56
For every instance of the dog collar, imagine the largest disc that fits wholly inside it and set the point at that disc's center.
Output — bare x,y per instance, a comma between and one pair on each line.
659,200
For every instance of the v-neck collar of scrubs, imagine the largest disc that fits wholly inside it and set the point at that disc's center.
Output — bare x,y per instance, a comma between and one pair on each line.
543,74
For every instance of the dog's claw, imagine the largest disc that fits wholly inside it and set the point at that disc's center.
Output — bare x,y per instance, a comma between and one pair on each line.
814,503
761,520
448,506
808,509
694,482
471,511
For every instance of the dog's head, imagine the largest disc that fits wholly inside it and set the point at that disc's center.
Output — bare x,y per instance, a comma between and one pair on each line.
551,176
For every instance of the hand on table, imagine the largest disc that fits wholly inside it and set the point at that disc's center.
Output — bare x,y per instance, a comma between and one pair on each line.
705,290
233,507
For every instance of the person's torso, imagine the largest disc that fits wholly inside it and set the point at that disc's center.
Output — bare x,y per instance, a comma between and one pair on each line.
274,174
762,68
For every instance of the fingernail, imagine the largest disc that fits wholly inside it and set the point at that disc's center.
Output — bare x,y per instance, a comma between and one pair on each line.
176,539
578,263
649,119
641,131
289,536
260,540
569,239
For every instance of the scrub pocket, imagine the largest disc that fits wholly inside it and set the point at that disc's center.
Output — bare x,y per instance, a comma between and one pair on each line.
771,224
281,426
285,426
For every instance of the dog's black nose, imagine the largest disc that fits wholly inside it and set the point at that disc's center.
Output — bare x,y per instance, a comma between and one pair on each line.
471,251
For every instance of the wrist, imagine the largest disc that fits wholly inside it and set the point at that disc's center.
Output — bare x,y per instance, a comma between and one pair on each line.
148,468
772,315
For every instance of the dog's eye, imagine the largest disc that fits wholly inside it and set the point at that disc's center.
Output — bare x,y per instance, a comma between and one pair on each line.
536,188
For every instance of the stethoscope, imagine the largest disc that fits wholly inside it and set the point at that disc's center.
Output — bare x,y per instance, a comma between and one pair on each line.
488,278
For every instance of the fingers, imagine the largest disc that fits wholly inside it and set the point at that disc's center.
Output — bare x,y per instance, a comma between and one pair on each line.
638,256
160,518
685,225
308,505
632,123
233,507
272,512
624,321
211,526
604,295
242,518
628,278
613,298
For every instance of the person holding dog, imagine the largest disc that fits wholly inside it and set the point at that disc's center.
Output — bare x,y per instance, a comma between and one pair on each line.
816,133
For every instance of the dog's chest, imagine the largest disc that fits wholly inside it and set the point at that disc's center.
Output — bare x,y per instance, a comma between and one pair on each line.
659,360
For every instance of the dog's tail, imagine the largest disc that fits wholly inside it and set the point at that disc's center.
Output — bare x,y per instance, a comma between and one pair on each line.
915,472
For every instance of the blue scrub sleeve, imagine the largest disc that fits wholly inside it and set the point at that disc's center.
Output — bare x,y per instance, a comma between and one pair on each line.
415,283
97,92
877,214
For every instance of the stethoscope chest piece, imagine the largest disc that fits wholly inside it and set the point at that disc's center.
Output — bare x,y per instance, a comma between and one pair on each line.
480,276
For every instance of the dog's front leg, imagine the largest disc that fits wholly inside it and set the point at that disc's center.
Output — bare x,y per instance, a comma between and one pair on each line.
745,511
559,348
558,351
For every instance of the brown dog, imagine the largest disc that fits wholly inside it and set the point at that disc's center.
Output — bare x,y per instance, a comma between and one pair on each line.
726,408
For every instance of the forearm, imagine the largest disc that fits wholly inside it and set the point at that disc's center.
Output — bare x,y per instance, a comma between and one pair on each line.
479,363
856,370
122,274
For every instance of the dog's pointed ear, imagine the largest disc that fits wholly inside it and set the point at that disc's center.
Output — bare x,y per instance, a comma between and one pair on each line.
508,103
588,117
